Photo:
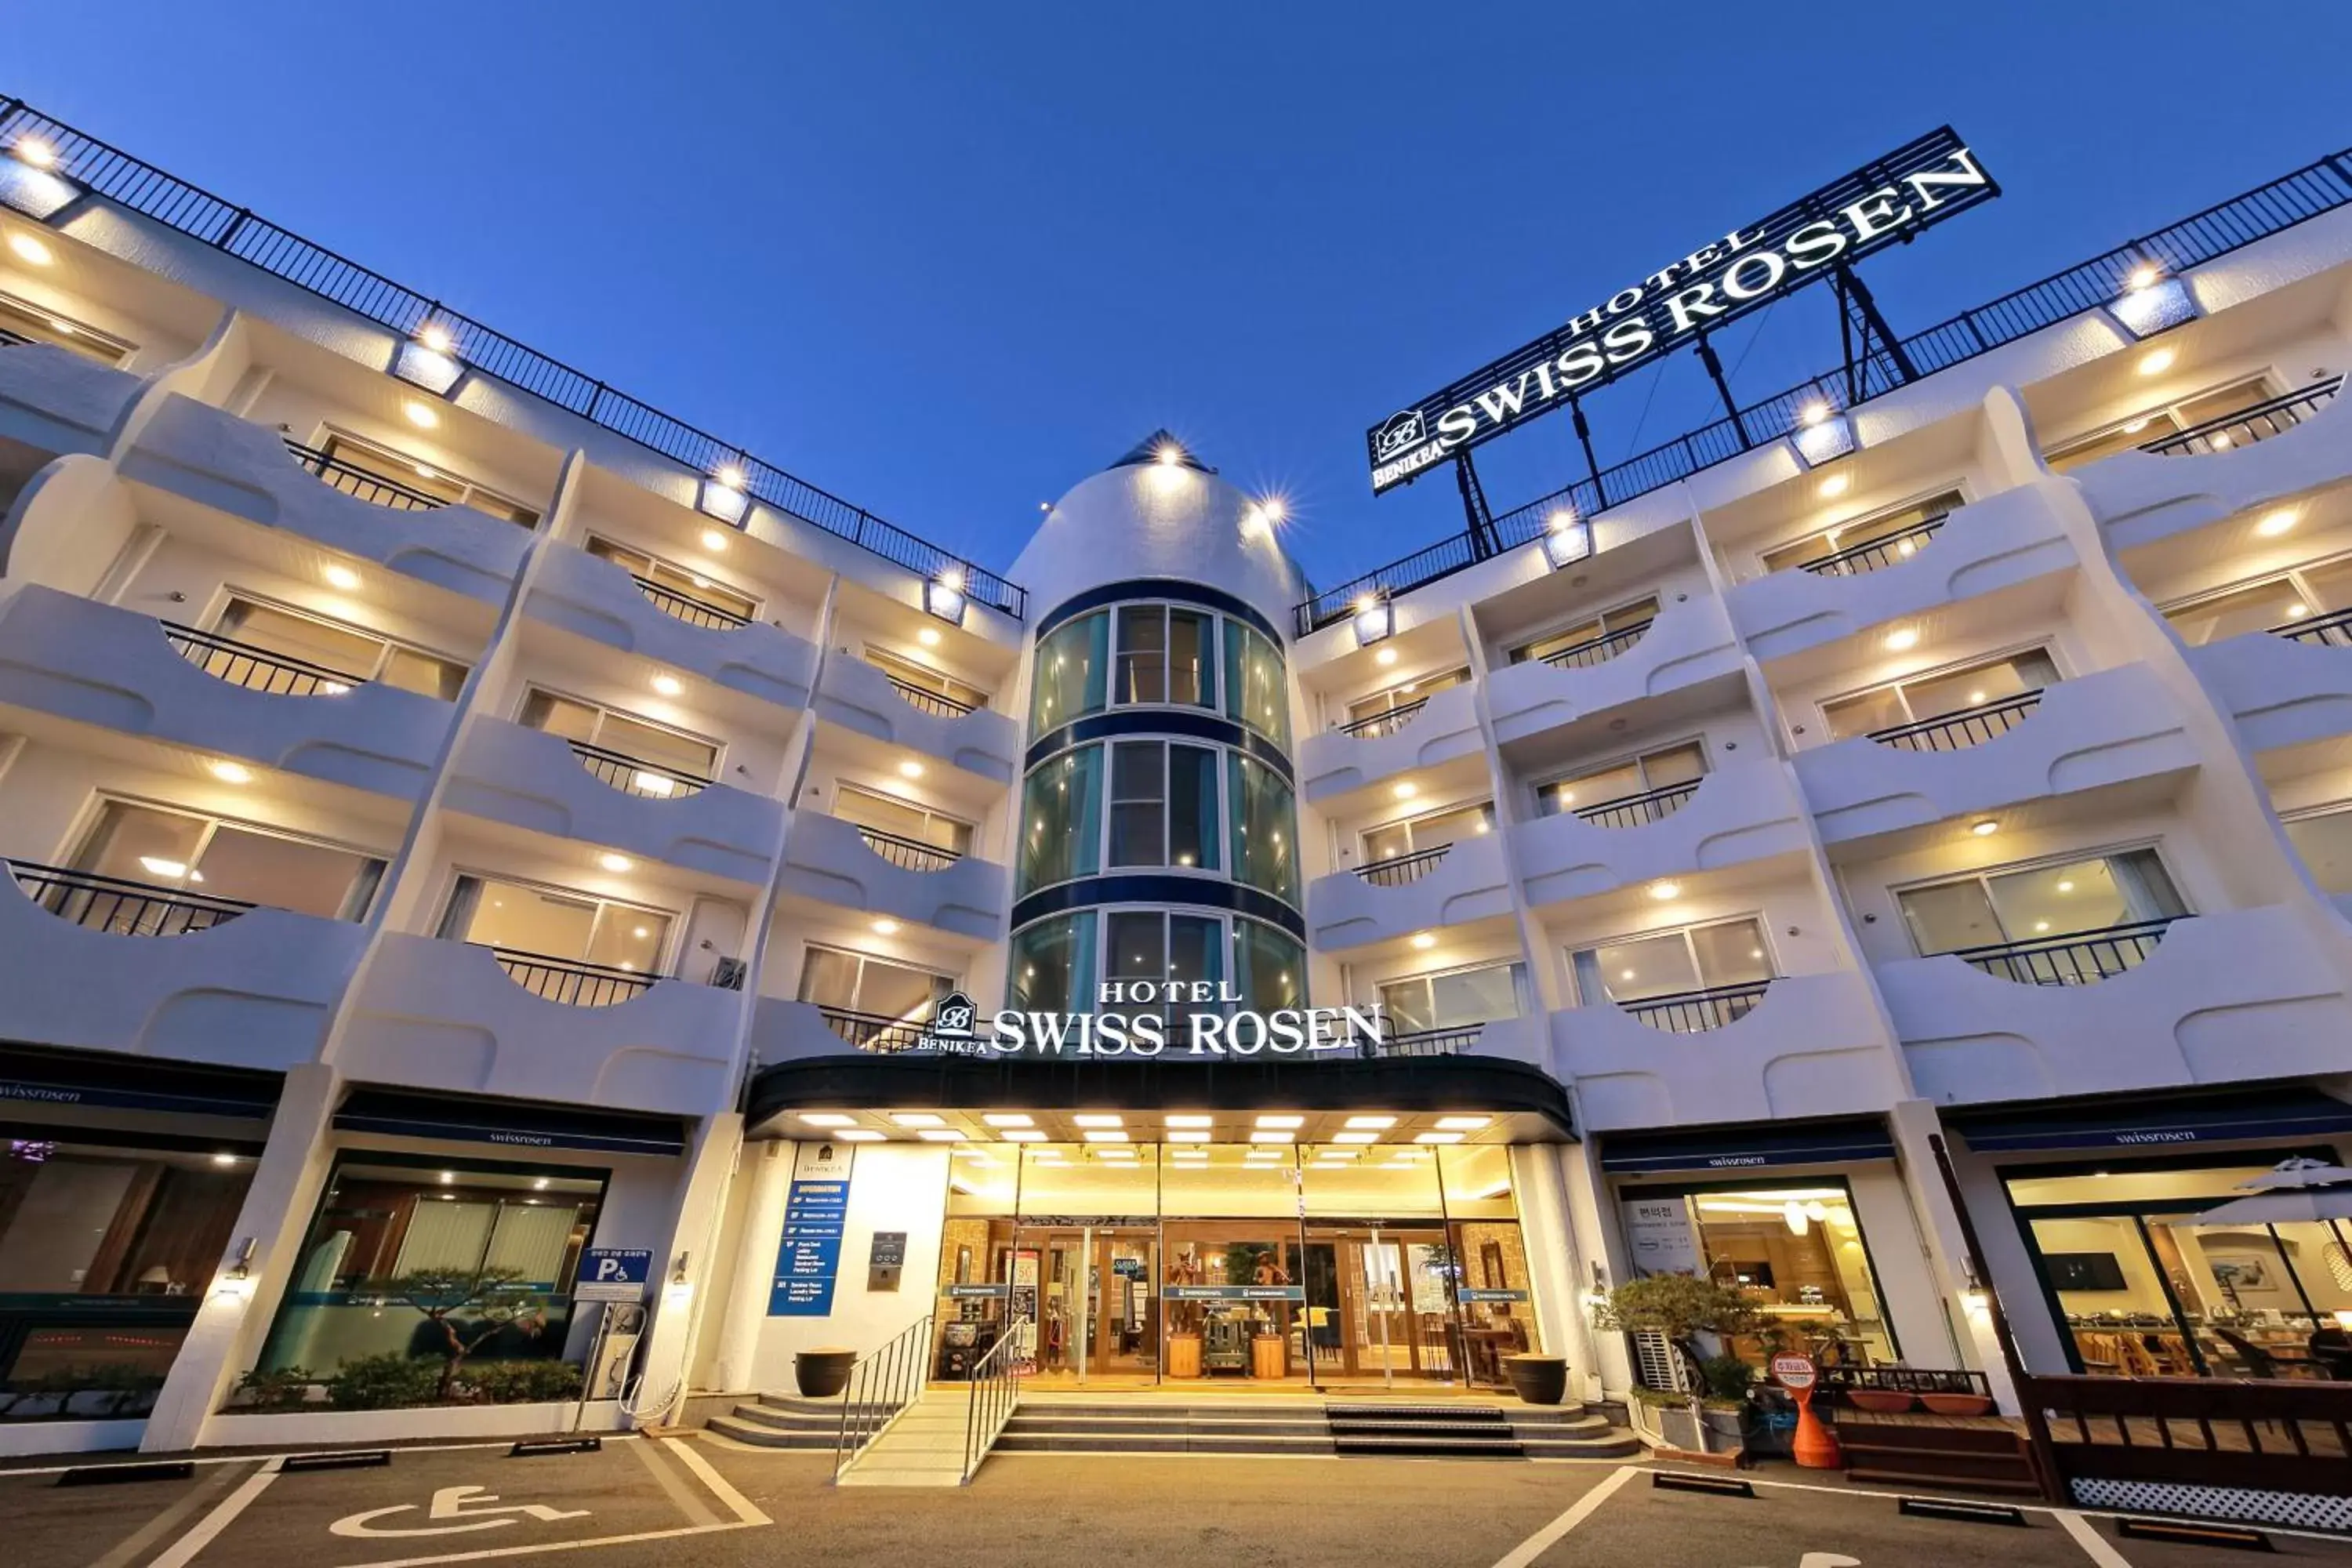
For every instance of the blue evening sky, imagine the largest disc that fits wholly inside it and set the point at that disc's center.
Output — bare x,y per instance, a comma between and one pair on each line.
949,259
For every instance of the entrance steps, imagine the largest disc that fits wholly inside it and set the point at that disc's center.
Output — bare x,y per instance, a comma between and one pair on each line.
783,1421
1463,1431
1264,1425
923,1446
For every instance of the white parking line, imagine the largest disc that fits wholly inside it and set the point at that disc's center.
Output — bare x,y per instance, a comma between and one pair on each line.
134,1546
746,1510
2094,1546
183,1550
1544,1540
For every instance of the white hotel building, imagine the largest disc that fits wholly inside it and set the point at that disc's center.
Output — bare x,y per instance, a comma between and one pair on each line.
459,816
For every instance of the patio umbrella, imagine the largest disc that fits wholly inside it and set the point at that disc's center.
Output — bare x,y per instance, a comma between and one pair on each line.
2298,1172
2320,1205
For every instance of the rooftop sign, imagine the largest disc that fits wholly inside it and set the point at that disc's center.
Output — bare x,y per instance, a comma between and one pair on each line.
1883,203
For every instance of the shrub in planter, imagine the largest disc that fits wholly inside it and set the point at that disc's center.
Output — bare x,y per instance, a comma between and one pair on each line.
386,1382
283,1388
1727,1377
523,1382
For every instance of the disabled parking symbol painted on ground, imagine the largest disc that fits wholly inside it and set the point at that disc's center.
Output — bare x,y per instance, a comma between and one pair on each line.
454,1510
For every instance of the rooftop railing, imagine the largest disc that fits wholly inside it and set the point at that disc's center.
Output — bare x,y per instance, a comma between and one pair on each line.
237,231
1887,550
2078,958
1962,728
256,668
122,907
2275,417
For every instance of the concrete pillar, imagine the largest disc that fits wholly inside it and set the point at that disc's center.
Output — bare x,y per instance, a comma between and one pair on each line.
676,1305
236,1313
1592,1222
1947,1251
1554,1261
768,1169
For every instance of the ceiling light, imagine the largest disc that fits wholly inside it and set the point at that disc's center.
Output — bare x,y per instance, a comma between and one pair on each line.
910,770
1105,1135
231,773
827,1118
1463,1123
2067,887
615,862
1188,1135
1098,1119
2274,523
1355,1138
342,577
31,251
1025,1135
1834,486
1262,1154
2040,926
1272,1138
1437,1137
886,926
714,542
159,866
2157,361
1117,1154
1282,1122
1189,1120
1385,658
420,415
929,637
1407,790
1009,1118
668,685
862,1135
939,1135
447,1177
918,1118
1984,829
1371,1121
1903,640
1662,892
36,151
1424,939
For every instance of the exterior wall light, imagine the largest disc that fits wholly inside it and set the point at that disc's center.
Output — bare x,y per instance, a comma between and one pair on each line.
29,180
1567,538
236,1281
2151,302
723,496
1375,619
943,596
430,360
1823,434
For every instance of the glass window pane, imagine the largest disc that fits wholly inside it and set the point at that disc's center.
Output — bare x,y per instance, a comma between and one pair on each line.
890,990
862,808
1408,1006
1388,843
1192,807
663,748
1264,828
528,921
283,873
1463,822
1269,968
1593,789
559,716
1195,948
1191,640
2325,845
1138,809
2329,586
2241,610
1798,1250
1138,949
1948,919
1061,815
1255,690
1476,995
2220,404
1675,765
1398,1181
1627,616
829,979
1560,641
1732,953
629,939
1865,714
1072,670
1142,654
1644,967
142,845
2112,1295
423,674
703,591
339,649
1974,688
1053,964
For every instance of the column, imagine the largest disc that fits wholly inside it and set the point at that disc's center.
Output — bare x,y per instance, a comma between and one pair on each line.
1912,1121
768,1169
676,1310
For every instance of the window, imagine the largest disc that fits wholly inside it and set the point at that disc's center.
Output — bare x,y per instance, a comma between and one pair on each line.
1458,999
1269,967
1861,531
1264,828
2324,839
1072,673
1166,655
2322,588
36,325
228,860
1573,646
1398,703
1148,944
671,762
1052,965
906,673
699,592
410,474
1164,805
1061,815
1433,831
905,819
345,649
1672,962
2060,899
2155,424
841,981
1944,694
1589,795
1255,690
541,922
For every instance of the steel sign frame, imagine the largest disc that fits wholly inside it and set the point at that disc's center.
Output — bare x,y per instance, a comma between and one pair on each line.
1885,202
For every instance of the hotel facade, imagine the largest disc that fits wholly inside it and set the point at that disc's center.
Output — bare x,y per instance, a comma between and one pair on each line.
1895,858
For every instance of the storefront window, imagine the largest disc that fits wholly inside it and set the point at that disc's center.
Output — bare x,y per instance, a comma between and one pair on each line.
1052,965
1061,820
1264,828
1072,672
1255,690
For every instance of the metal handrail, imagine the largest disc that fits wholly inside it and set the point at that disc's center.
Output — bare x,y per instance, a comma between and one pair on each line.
1399,869
1388,722
635,775
2076,958
1598,651
1887,550
924,701
684,607
9,339
1639,810
572,982
2274,416
2331,630
1694,1012
256,668
875,1032
992,1396
908,854
1447,1042
881,1383
1963,727
120,906
365,484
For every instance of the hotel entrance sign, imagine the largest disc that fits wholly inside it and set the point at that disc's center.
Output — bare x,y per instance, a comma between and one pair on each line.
1139,1018
1883,204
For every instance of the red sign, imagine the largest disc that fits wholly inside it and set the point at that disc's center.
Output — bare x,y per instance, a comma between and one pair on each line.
1795,1372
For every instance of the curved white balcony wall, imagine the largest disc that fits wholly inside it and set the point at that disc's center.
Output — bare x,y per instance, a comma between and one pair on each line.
1526,1040
857,695
218,460
1746,811
2281,692
56,401
828,859
2011,538
252,992
2105,729
2248,993
788,1031
442,1015
597,599
2142,497
1470,881
82,660
1690,642
531,779
1446,727
1813,1047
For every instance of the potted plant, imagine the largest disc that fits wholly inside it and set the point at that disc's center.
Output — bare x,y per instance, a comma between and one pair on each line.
823,1371
1682,1307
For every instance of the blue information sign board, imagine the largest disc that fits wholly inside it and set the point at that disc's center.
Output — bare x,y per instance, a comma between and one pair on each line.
808,1254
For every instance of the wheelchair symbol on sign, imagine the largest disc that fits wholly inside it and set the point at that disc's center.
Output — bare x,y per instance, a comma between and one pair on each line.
471,1509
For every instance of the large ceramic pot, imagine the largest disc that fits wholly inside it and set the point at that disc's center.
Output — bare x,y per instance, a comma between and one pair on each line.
1538,1379
822,1374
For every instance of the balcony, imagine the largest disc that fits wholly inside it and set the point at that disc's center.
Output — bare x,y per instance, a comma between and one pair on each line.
1466,880
2224,467
1686,644
1803,1045
783,1030
596,599
1513,1039
196,453
2010,539
2286,686
862,697
2249,994
852,868
2115,726
1747,811
1440,729
56,401
93,664
433,1014
543,783
103,963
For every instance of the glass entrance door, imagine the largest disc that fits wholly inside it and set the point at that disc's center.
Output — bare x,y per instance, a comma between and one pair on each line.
1380,1305
1097,1318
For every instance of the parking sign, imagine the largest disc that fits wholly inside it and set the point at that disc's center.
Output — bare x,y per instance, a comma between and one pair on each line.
612,1274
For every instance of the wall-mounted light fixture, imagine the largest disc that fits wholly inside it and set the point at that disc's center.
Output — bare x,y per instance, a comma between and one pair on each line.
1568,538
723,495
1824,433
235,1283
430,360
29,180
2150,301
1375,619
943,595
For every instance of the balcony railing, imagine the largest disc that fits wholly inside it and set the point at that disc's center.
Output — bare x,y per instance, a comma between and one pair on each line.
364,483
874,1031
1887,550
2248,425
570,980
1639,810
1372,726
2079,957
632,776
1957,730
928,701
1596,650
1691,1012
909,854
9,339
1399,869
1450,1042
120,907
2333,630
256,668
693,612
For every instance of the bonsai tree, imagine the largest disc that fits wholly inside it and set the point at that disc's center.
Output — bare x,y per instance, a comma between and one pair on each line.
488,1296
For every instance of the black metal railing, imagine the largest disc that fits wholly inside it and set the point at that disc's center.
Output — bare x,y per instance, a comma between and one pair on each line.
875,1032
1639,810
633,775
2320,187
880,1384
364,483
1839,1381
1451,1042
1597,650
2078,958
9,339
2331,630
693,612
1966,727
908,854
2248,425
1887,550
1690,1011
1399,869
140,186
1372,726
926,701
256,668
120,906
572,982
994,1394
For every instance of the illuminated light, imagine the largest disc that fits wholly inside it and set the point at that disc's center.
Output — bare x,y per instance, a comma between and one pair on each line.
1354,1121
641,934
1424,940
1116,1154
1976,697
1336,1155
332,689
1355,1138
1105,1135
1463,1123
1662,892
1814,413
654,784
1183,859
224,1159
714,542
918,1118
2157,361
1407,790
342,577
1984,829
2136,425
1902,641
886,926
1834,486
910,770
2066,886
2142,277
231,773
36,151
420,415
1437,1137
1755,953
1189,1120
1560,519
2220,440
1624,975
1273,1137
1262,1154
1482,826
425,471
2040,926
615,862
929,637
862,1135
2296,609
668,685
2274,523
437,337
1385,658
1099,1118
939,1135
31,251
1282,1121
1009,1118
157,866
1186,1135
1025,1135
728,476
447,1177
1168,454
1793,1214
